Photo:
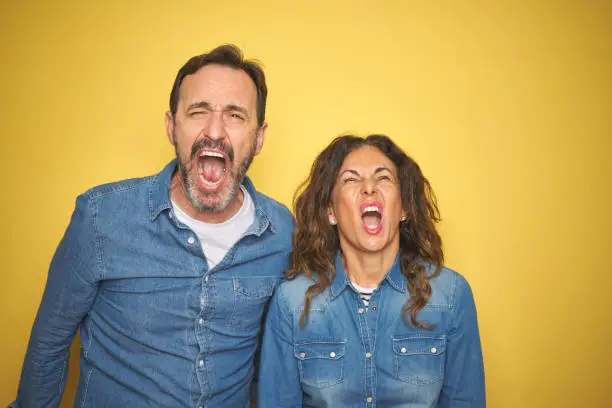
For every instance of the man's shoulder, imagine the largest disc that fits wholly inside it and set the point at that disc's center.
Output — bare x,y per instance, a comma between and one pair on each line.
128,198
120,187
278,212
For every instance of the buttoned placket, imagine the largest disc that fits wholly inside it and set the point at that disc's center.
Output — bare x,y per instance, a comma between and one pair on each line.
367,322
203,335
201,332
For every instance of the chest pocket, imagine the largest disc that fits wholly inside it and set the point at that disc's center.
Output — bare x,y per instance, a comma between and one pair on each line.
251,295
419,360
320,363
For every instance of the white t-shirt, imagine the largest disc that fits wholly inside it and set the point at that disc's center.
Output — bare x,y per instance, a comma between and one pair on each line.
217,239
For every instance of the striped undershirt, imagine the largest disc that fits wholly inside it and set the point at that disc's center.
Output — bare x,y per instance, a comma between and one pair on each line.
364,293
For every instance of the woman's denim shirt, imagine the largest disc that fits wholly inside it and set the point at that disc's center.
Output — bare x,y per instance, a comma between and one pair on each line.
350,356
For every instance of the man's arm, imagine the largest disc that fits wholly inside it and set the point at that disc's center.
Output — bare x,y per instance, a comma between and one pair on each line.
69,293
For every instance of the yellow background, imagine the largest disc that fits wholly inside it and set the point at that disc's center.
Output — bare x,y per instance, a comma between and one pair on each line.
506,106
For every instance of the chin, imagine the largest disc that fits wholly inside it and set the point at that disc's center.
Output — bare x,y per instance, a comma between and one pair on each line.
203,202
374,247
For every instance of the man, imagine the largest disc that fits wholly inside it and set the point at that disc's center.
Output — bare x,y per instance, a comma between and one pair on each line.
167,276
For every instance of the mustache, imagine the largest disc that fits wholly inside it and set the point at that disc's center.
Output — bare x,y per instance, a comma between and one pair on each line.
206,143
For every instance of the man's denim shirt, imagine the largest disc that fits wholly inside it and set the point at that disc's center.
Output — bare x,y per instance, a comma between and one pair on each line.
350,356
158,328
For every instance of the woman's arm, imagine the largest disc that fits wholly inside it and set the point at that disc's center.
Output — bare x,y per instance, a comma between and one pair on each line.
279,382
464,385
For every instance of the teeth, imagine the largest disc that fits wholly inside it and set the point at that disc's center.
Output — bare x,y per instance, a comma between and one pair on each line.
370,208
212,154
208,183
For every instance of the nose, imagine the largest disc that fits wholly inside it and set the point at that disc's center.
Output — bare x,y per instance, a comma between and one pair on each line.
215,127
368,187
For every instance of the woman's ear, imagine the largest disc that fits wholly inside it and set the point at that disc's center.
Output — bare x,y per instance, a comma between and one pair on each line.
331,217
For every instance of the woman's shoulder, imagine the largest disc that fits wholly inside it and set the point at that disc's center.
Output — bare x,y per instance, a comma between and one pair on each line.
447,287
291,291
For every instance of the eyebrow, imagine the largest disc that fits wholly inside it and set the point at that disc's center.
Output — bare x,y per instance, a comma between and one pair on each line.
355,172
199,105
378,170
381,169
207,105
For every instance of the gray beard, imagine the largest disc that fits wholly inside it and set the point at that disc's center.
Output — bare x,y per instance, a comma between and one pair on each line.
237,174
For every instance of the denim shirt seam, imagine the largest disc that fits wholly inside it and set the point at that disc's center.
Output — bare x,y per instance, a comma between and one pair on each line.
454,305
118,187
84,397
283,309
93,208
63,376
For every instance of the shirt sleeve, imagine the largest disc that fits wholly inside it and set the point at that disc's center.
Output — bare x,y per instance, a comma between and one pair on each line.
70,290
464,384
279,382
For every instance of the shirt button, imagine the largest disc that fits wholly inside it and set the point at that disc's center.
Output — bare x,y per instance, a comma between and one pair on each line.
360,310
190,240
403,350
369,399
206,278
373,308
201,321
201,363
433,349
368,355
302,355
332,354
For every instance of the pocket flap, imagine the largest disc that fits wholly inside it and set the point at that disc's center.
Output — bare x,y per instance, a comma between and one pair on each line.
407,346
255,287
331,350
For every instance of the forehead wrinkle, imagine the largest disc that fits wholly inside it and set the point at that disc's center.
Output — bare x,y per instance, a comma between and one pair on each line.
214,82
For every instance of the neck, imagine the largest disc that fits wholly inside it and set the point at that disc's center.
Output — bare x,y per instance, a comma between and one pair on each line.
178,195
368,269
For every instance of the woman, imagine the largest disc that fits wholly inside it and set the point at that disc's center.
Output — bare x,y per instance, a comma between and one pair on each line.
369,317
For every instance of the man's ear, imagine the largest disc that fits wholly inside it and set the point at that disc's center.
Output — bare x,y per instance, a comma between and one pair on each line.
261,135
169,120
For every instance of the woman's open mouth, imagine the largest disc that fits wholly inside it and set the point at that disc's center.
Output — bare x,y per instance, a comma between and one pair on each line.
371,216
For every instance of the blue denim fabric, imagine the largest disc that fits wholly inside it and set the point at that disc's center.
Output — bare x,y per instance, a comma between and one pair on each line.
158,329
350,356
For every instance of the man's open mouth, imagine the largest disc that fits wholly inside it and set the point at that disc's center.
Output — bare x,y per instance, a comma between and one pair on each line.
212,168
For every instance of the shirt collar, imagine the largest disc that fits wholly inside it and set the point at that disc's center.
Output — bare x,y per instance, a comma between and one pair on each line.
394,276
159,200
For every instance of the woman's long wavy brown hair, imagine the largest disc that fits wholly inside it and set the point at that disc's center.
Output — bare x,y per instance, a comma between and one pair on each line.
316,243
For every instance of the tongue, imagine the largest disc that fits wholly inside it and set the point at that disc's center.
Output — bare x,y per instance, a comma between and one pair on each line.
371,221
212,169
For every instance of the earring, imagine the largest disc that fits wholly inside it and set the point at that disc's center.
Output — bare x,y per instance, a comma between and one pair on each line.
402,218
330,217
